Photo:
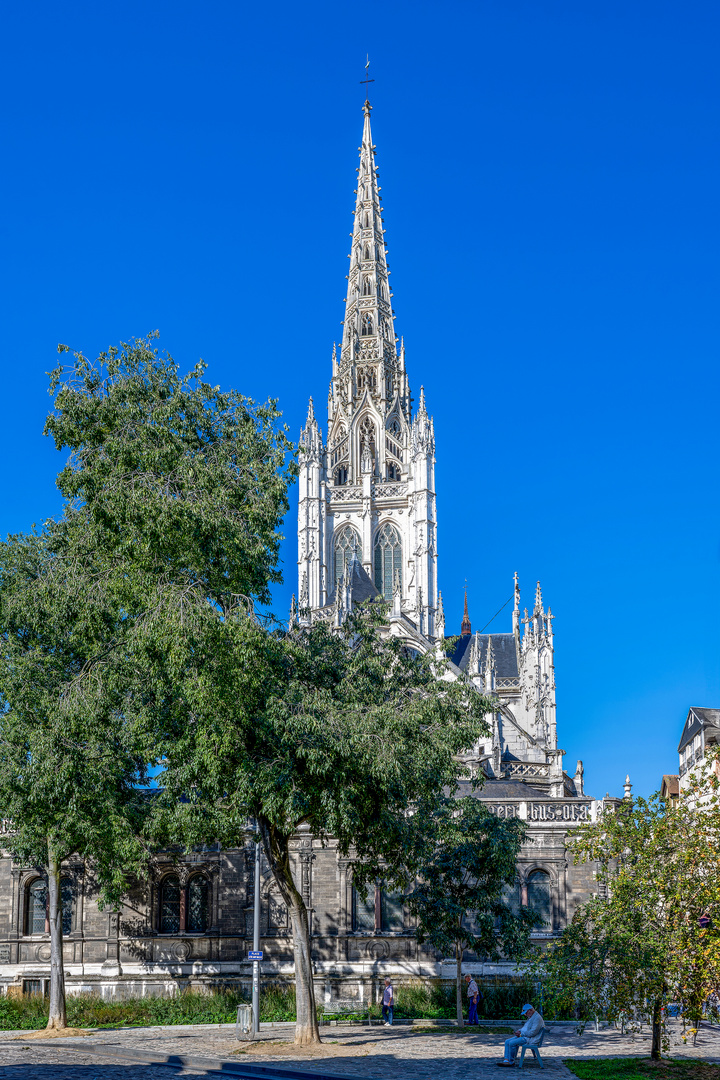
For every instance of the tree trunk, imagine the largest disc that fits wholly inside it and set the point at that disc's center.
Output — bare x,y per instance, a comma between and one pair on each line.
277,850
458,984
58,1015
656,1030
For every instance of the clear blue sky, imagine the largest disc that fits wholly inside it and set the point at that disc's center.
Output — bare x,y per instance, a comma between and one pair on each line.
550,174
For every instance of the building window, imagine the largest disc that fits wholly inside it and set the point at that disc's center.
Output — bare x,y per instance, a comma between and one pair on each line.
367,324
511,897
392,911
37,910
347,543
170,905
388,560
198,904
341,476
364,908
393,471
375,910
367,287
539,898
37,921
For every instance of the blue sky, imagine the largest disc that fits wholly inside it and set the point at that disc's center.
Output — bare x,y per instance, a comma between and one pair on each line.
550,175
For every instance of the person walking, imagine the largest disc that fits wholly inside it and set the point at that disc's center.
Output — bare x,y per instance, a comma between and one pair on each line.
527,1035
387,1003
473,994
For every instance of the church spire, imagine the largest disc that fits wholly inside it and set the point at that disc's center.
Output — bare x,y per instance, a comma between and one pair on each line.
368,332
465,627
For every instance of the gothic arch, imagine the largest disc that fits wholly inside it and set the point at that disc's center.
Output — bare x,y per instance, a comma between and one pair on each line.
345,541
387,558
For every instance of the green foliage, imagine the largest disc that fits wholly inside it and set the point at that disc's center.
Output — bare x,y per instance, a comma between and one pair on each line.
189,1007
462,857
641,1069
629,953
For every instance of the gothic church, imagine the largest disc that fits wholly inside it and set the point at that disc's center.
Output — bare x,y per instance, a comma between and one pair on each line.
367,528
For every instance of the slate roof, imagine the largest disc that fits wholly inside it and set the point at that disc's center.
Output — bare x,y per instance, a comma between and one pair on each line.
506,666
707,720
363,588
502,789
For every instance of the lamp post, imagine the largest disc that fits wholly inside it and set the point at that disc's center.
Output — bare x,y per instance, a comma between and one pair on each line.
256,943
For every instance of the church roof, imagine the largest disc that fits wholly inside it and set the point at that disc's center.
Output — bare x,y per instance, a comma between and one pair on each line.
501,789
504,651
363,588
698,719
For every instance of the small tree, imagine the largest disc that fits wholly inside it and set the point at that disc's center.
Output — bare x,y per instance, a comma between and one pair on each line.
463,859
72,767
646,941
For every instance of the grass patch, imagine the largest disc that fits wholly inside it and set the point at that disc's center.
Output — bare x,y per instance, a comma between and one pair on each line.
189,1007
642,1068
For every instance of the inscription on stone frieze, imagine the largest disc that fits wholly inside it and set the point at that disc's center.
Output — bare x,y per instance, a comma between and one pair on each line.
504,810
4,954
558,811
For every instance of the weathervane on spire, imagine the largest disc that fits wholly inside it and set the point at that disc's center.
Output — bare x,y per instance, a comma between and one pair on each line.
367,80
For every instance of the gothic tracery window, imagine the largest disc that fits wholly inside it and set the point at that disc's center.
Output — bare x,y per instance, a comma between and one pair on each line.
37,913
393,471
36,916
367,324
367,287
170,905
388,559
539,898
347,542
198,904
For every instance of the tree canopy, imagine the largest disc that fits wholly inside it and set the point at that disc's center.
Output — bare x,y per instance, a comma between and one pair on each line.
652,935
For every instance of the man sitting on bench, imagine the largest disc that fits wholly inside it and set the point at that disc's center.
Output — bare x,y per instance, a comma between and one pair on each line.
527,1035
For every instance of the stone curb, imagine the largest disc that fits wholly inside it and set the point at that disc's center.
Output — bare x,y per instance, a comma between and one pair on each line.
186,1061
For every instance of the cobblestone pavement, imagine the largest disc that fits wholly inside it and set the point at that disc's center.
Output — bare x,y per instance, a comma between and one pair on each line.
370,1053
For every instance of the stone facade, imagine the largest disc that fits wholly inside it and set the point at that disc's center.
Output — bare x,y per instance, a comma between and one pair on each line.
367,527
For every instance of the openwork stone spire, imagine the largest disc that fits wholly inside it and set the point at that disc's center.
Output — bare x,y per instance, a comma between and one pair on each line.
369,342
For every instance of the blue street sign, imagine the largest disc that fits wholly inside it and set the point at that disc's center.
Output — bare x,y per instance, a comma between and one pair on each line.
253,955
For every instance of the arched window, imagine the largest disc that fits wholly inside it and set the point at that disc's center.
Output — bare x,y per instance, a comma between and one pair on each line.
37,910
36,919
393,472
277,912
540,899
170,905
341,476
394,427
367,324
347,541
67,899
367,287
388,560
198,904
367,252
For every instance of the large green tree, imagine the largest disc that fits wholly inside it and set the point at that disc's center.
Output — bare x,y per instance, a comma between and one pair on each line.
652,935
461,864
72,765
184,489
342,732
173,493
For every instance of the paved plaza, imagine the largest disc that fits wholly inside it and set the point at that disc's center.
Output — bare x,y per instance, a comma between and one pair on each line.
377,1053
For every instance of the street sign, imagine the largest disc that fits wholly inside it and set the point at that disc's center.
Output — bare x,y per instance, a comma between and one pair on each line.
253,955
